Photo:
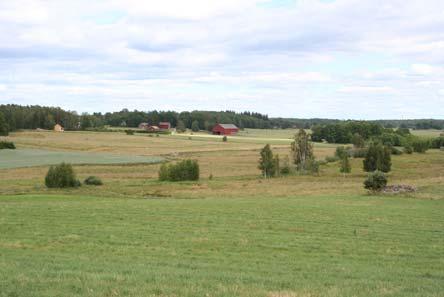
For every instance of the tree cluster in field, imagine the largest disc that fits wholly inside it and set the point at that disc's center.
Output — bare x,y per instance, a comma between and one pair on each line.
7,145
360,134
303,159
63,176
186,170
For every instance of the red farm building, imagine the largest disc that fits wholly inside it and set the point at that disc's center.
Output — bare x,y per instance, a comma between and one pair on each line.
164,125
225,129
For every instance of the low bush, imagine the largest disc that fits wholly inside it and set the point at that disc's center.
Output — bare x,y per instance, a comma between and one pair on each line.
61,176
437,142
313,166
129,132
341,151
331,159
181,171
376,181
285,167
420,145
7,145
408,149
224,139
93,181
396,151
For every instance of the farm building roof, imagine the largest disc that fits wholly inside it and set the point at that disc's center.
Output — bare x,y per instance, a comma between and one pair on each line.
228,126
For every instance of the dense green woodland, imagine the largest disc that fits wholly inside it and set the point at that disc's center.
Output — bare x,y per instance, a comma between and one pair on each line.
15,117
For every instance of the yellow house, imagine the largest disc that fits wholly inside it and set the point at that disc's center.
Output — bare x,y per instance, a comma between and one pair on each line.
58,128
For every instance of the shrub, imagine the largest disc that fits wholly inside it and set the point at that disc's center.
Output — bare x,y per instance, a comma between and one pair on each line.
129,132
345,164
408,149
396,151
331,159
341,152
61,176
285,168
420,145
181,171
375,181
312,167
437,142
7,145
93,180
224,139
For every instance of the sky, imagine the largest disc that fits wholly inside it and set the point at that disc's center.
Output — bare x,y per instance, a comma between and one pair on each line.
346,59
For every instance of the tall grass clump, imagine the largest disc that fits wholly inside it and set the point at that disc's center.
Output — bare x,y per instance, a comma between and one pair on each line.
181,171
61,176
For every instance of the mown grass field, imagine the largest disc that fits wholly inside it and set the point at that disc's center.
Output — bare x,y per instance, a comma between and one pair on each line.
297,246
233,235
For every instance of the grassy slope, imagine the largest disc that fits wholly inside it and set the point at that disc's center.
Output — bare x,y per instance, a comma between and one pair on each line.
239,236
296,246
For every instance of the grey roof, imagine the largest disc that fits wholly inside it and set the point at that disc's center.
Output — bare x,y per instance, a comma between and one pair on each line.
228,126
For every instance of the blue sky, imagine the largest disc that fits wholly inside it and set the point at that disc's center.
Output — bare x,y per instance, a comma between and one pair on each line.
359,59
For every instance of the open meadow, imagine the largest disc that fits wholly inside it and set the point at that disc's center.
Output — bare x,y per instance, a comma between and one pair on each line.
234,234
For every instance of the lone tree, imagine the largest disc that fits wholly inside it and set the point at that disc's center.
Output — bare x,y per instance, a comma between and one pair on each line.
267,164
345,164
4,127
180,126
378,157
195,126
302,150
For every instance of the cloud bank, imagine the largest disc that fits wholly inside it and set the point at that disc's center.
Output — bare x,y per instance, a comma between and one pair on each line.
360,59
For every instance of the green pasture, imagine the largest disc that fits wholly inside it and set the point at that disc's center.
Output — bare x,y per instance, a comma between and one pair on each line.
36,157
294,246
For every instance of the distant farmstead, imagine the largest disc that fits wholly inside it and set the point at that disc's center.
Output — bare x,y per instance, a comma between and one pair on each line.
58,128
225,129
152,128
143,125
164,125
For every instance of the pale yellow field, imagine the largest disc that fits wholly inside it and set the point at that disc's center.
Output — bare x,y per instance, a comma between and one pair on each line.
233,166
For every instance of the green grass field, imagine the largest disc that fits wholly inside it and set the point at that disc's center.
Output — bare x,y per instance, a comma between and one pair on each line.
295,246
233,235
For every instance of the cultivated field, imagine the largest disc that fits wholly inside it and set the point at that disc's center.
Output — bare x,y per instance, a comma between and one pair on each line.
233,235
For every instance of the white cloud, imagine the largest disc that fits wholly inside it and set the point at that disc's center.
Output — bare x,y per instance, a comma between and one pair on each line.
250,54
367,89
425,69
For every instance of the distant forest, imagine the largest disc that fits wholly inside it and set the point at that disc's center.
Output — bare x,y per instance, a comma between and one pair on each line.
31,117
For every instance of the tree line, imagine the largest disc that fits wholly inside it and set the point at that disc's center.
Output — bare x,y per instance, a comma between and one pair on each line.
15,117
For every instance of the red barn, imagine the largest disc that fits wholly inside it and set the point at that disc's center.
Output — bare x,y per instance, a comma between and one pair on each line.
225,129
164,125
